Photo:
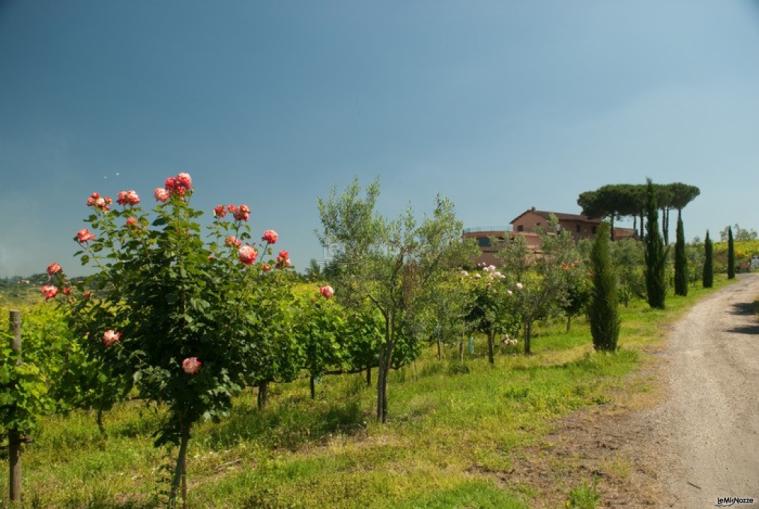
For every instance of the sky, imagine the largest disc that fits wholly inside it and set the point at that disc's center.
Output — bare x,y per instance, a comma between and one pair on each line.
498,105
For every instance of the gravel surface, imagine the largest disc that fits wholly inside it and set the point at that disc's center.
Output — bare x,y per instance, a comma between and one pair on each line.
707,428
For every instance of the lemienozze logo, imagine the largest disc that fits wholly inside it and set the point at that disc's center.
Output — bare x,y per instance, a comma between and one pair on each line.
731,501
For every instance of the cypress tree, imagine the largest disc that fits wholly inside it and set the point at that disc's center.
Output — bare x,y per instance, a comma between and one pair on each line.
681,261
730,254
708,263
656,254
602,311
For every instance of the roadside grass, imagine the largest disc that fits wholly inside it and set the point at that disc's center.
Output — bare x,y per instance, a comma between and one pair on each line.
449,441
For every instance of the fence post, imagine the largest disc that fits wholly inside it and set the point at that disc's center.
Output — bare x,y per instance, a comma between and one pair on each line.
14,438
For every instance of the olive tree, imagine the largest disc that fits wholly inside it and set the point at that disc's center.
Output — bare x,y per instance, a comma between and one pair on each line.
392,264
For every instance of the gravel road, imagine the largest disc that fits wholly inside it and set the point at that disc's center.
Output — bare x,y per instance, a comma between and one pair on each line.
708,427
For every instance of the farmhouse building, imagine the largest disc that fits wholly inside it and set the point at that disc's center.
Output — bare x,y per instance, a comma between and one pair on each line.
526,225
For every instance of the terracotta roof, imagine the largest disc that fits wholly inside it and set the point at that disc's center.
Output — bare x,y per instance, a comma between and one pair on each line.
561,216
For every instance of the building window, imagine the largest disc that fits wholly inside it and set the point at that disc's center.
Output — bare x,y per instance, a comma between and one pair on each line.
520,228
577,228
483,241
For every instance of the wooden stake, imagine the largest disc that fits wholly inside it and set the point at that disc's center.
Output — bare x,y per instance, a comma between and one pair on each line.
14,438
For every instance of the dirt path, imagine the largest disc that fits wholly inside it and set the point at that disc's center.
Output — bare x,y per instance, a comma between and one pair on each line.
709,421
689,436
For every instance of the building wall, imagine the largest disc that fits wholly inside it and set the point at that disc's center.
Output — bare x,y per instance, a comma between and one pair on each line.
579,229
529,222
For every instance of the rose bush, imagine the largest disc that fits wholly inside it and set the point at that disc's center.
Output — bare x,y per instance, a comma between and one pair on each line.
188,321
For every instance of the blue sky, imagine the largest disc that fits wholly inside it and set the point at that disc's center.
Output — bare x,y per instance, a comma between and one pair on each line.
498,105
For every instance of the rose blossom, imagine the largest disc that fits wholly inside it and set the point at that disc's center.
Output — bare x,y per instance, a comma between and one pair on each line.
131,221
111,337
84,235
241,213
283,259
191,365
232,241
247,254
327,291
128,198
102,203
49,291
184,180
67,291
270,236
53,268
91,199
219,211
265,267
179,184
161,194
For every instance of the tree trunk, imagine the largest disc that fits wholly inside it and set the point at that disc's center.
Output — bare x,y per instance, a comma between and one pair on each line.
612,227
642,226
635,223
569,323
385,363
527,336
461,350
101,426
380,384
263,394
180,471
312,384
439,350
369,376
491,337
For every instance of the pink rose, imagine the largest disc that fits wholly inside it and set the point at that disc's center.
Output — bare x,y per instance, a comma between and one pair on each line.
283,260
161,194
241,213
91,199
247,254
266,267
270,236
84,235
219,211
191,365
67,291
170,183
102,203
121,198
53,268
327,291
49,291
232,241
132,198
131,221
111,337
184,180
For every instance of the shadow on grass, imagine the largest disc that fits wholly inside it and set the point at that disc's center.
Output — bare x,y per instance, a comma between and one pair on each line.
289,424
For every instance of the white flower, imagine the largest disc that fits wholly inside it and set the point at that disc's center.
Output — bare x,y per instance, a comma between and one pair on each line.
464,273
520,286
509,292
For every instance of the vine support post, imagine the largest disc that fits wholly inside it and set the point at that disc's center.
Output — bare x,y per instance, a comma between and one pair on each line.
14,437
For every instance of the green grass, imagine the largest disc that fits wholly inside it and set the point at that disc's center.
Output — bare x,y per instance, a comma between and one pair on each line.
448,433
